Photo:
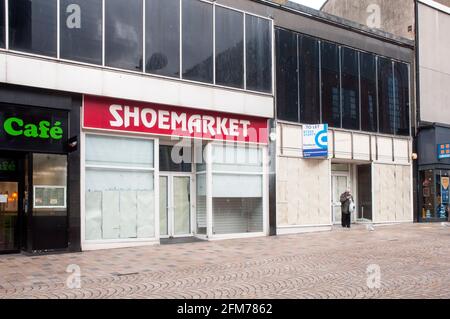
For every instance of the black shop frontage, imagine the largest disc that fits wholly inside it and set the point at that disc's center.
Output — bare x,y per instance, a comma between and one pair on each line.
434,173
39,171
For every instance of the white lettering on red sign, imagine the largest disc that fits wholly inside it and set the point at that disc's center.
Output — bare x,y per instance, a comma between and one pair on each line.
135,117
127,116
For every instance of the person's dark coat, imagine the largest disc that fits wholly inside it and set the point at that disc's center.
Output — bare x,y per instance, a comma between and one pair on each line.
345,199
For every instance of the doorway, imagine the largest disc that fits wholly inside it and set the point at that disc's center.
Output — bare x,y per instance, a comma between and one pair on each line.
9,217
11,203
340,182
175,205
364,193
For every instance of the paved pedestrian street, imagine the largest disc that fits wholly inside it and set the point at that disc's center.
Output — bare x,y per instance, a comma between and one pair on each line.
401,261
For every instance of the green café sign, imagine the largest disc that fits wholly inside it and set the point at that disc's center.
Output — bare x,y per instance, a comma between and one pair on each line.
15,126
33,129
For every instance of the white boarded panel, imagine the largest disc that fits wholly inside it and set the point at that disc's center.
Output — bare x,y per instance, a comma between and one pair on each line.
384,149
361,147
111,215
145,214
401,151
93,216
303,192
128,214
292,140
237,186
343,147
392,193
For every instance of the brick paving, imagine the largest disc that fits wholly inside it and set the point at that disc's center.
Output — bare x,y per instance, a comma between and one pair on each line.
414,261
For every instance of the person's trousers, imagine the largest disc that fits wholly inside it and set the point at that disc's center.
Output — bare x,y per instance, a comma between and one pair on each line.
346,220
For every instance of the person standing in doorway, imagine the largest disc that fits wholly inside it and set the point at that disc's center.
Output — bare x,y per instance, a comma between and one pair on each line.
347,205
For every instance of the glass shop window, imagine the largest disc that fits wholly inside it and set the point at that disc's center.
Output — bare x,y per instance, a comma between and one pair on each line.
386,96
123,34
2,24
369,111
350,89
428,194
309,75
237,189
120,195
442,194
229,47
331,85
197,41
402,108
287,76
32,26
258,37
81,30
162,37
49,185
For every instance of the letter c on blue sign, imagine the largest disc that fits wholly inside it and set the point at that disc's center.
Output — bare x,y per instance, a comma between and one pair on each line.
322,139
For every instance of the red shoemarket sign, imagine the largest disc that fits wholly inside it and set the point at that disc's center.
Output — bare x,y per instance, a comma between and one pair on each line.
109,114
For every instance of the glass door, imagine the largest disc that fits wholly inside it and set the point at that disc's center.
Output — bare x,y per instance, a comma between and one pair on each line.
9,214
175,205
339,183
181,205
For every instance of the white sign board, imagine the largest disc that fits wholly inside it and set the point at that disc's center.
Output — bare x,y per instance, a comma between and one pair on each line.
315,141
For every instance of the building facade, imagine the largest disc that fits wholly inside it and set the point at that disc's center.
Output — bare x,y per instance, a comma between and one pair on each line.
431,22
125,122
131,123
359,86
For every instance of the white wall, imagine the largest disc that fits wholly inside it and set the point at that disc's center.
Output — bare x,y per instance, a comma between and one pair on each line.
392,190
65,76
434,64
304,185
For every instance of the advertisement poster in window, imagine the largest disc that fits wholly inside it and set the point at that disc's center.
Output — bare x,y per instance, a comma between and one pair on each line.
50,197
445,190
315,141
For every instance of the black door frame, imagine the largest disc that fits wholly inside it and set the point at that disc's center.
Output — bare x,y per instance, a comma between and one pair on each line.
19,178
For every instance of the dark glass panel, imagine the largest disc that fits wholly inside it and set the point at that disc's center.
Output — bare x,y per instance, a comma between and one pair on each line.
287,75
2,23
81,30
369,112
402,117
229,47
123,34
162,37
32,26
197,41
309,80
331,91
350,89
258,53
167,162
386,96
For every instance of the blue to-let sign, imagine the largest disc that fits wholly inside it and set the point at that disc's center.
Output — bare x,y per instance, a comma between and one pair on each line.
315,141
444,151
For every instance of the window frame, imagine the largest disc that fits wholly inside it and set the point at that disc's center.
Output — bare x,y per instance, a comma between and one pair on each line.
143,71
84,167
31,54
360,52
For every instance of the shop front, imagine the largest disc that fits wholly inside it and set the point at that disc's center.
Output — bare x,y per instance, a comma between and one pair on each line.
434,173
155,172
38,160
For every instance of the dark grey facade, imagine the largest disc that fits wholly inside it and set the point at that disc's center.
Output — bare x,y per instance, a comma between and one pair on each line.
42,168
